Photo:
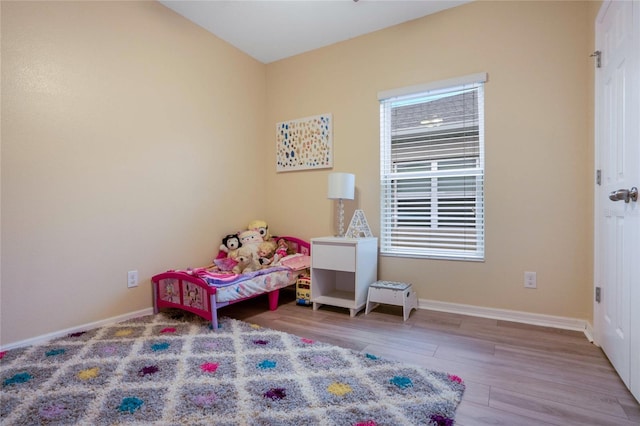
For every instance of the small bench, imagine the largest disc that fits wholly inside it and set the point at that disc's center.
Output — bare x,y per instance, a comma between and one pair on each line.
392,293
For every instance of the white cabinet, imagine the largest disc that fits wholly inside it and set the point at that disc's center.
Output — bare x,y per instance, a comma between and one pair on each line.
342,270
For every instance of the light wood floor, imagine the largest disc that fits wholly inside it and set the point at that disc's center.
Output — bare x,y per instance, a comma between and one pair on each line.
515,374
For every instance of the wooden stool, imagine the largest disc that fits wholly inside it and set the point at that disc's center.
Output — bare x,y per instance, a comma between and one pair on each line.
392,293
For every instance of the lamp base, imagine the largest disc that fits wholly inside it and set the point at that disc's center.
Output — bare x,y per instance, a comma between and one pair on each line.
340,218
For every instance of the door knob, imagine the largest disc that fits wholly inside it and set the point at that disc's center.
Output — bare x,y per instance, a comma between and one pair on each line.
624,194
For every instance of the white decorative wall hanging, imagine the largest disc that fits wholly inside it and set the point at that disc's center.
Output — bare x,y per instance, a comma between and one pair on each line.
305,143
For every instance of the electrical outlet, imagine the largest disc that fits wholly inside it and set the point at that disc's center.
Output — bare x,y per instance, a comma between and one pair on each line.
132,279
530,280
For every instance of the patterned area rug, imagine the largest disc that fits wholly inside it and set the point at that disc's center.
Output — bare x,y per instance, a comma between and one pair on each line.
172,369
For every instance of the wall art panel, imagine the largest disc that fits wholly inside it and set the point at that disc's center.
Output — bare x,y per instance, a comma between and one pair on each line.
305,143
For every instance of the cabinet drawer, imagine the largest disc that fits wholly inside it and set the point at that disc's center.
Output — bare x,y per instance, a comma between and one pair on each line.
337,257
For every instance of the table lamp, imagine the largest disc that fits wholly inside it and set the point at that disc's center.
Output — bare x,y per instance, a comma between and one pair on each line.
341,187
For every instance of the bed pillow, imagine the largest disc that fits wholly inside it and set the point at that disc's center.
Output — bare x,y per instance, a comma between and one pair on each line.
296,261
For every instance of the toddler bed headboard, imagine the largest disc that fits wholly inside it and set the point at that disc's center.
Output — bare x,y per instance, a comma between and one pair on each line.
297,245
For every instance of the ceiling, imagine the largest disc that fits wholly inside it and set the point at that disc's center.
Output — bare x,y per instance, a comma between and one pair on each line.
269,30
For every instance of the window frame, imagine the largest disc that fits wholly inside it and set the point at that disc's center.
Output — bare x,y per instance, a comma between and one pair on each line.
395,242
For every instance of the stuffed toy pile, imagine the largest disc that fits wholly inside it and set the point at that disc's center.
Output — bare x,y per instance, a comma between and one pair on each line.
250,250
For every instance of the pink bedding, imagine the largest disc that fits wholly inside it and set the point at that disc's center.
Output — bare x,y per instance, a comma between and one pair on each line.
223,279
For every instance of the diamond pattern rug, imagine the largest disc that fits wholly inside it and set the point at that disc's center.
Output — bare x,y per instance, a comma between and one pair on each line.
172,369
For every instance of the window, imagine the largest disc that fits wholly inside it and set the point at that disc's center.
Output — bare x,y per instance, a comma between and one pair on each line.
432,170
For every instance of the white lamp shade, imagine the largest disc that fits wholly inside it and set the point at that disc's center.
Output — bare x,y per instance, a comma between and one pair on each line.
341,186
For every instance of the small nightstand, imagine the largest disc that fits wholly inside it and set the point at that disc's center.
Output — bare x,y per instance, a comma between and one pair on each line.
342,270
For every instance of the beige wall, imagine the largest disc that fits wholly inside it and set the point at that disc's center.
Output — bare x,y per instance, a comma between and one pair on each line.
118,123
119,119
538,144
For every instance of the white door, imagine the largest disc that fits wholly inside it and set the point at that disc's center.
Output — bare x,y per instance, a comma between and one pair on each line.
617,211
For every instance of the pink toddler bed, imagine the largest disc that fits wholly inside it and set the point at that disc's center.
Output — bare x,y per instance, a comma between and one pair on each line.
203,291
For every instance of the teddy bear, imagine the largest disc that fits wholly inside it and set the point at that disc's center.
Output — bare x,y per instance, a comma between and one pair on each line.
230,245
262,227
247,261
250,236
251,239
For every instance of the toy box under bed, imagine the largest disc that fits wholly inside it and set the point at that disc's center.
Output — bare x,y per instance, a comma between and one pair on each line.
203,291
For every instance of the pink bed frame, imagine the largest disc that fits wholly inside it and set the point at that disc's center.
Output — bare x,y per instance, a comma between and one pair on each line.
209,304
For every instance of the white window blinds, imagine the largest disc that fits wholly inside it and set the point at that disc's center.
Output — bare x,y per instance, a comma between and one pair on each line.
432,170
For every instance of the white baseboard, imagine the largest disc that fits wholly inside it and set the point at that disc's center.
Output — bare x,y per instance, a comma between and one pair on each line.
46,337
565,323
